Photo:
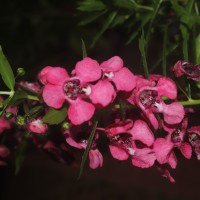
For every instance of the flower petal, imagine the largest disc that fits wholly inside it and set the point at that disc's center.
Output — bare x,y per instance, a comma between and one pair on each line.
162,149
167,87
186,150
57,76
173,113
42,76
112,65
124,80
53,95
80,111
118,153
142,132
88,70
103,93
172,161
96,158
143,158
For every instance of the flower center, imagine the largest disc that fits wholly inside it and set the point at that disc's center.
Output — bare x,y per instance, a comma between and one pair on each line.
194,140
148,98
72,89
191,69
175,137
123,141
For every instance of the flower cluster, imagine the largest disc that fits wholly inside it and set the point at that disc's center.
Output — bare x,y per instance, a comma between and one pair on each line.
138,118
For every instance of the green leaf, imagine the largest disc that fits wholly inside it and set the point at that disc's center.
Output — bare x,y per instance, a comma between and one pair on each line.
85,154
54,116
197,49
84,49
5,105
142,45
6,71
107,24
91,5
21,152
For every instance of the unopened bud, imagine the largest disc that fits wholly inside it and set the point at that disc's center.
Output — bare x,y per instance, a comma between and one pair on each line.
20,72
66,125
20,120
8,115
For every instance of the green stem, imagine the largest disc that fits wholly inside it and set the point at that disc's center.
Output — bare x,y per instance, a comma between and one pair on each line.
190,102
10,93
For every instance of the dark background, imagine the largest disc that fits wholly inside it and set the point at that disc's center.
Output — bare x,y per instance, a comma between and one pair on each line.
37,33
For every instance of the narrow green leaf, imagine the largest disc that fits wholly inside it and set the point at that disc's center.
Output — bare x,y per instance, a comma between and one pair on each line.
85,154
20,155
54,116
84,51
5,105
197,49
91,5
142,45
6,71
107,24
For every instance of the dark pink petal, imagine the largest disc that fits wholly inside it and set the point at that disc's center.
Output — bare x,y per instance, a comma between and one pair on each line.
165,173
53,95
151,117
177,69
173,113
42,76
124,80
96,159
4,124
73,143
118,153
57,76
172,161
143,158
88,70
80,111
167,87
142,132
186,150
112,65
162,149
103,93
4,151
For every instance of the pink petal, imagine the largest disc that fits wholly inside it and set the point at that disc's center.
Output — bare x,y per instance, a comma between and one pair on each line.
186,150
80,111
142,132
118,153
96,159
167,87
162,149
124,80
73,143
37,126
143,158
165,173
102,93
172,161
177,69
173,113
57,76
112,65
42,76
53,95
4,124
88,70
151,117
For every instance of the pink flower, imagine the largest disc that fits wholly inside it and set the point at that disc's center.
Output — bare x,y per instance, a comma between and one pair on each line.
128,140
148,96
114,70
4,153
163,147
37,126
32,86
192,71
78,138
194,139
60,88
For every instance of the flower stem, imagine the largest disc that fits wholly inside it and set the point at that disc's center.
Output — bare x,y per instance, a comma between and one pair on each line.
6,92
190,102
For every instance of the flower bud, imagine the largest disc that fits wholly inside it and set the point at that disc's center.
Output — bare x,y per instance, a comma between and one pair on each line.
20,120
21,71
8,115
